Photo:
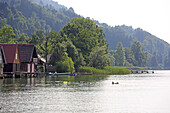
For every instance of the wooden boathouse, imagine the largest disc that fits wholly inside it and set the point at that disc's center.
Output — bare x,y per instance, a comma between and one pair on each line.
18,59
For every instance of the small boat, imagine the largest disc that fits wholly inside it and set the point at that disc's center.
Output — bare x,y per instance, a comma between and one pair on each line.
63,74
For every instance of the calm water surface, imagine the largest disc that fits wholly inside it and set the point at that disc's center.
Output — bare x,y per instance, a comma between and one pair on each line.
144,93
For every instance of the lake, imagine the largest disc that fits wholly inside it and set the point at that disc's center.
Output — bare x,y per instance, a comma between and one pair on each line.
135,93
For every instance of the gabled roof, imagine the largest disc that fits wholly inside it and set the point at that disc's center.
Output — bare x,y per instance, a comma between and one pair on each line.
27,52
9,51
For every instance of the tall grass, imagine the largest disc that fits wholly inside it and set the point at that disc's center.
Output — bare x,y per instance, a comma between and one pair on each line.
117,70
107,70
137,68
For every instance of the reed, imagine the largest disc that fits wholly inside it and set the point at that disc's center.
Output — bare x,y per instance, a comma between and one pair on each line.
107,70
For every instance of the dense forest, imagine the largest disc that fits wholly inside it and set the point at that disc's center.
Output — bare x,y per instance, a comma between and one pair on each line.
77,41
158,50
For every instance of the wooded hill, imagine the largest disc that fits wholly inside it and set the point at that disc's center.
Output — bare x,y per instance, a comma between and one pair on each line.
158,49
27,16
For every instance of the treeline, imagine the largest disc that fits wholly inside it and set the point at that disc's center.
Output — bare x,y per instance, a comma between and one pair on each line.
80,43
129,57
158,50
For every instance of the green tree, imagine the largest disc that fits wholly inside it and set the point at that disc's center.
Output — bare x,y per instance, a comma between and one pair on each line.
154,61
130,58
99,58
23,38
3,22
57,53
71,50
65,65
139,53
112,58
7,34
85,34
119,55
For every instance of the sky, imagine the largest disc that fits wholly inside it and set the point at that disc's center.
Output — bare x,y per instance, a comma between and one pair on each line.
150,15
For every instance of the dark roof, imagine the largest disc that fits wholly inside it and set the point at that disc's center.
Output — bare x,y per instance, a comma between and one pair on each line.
27,52
9,51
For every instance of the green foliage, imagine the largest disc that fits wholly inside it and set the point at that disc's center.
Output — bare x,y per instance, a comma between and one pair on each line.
117,70
92,70
99,58
57,53
85,34
139,53
120,55
65,65
27,17
126,35
7,34
130,58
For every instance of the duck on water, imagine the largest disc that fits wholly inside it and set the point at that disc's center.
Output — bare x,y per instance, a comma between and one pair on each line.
115,83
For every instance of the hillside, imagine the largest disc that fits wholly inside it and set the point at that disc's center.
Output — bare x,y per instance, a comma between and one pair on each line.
126,34
27,17
50,4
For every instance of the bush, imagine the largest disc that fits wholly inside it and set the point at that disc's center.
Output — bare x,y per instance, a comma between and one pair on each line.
65,65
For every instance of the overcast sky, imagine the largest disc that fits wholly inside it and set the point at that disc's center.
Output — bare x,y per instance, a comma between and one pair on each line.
150,15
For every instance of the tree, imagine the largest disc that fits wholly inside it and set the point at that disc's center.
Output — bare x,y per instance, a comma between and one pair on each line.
112,58
72,52
99,58
154,62
130,58
85,35
6,34
23,38
139,53
37,37
65,65
119,55
3,22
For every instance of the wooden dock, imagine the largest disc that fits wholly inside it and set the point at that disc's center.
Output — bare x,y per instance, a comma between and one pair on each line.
142,71
19,74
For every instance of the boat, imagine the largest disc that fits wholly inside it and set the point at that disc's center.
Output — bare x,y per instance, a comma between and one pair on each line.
63,74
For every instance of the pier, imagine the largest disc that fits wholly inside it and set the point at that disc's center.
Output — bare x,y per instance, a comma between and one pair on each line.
20,74
142,71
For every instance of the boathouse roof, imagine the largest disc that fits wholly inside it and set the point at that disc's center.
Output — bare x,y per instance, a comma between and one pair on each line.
9,51
27,52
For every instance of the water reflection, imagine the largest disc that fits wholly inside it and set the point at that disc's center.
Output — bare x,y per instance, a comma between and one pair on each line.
22,84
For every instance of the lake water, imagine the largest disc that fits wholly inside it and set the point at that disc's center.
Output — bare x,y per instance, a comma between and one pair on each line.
138,93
